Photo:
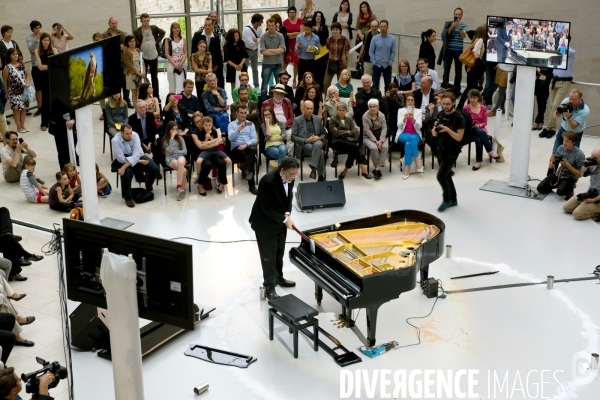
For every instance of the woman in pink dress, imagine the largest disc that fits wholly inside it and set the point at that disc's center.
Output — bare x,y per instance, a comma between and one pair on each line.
479,117
294,27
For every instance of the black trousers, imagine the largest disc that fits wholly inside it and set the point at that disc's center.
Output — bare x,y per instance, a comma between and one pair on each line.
124,84
11,249
542,92
306,66
153,66
444,176
564,187
472,83
62,146
207,166
248,157
7,338
350,148
271,248
138,170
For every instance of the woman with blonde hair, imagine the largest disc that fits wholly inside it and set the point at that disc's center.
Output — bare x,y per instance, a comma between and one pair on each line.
345,86
405,79
116,113
176,53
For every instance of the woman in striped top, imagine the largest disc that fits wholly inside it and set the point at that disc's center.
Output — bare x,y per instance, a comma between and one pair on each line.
345,87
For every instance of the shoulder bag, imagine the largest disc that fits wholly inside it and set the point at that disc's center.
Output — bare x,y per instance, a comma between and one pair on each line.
467,57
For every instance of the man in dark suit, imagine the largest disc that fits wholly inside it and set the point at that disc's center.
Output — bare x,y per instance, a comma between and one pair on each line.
270,219
424,95
58,128
142,123
213,46
503,41
308,133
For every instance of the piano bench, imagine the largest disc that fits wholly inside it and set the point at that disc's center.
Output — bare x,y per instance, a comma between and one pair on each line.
296,315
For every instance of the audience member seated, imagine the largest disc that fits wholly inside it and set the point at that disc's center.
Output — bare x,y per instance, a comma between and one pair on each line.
189,101
243,139
61,197
7,342
12,156
312,94
6,294
74,180
307,80
405,79
103,186
11,249
210,143
174,111
479,131
215,102
253,114
423,70
587,206
130,160
333,99
116,113
345,86
308,133
142,123
34,191
283,112
252,94
424,95
375,136
564,172
5,267
429,118
175,151
410,121
146,93
392,102
273,131
283,79
363,95
345,139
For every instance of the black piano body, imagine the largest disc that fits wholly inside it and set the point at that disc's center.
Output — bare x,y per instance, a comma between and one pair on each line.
369,292
536,57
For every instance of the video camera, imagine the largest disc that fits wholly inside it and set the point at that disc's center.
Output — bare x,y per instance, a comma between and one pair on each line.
557,159
590,161
590,194
564,107
33,378
442,122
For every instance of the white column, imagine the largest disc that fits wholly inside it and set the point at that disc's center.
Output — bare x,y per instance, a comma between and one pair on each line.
119,280
521,132
87,163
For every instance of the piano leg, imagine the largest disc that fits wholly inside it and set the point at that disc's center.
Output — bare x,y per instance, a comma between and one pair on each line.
318,294
372,323
424,273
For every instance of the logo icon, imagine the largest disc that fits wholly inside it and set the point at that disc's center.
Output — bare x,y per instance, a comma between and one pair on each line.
584,367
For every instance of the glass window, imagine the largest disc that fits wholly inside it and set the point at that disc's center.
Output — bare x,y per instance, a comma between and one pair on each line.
160,7
232,4
258,4
199,5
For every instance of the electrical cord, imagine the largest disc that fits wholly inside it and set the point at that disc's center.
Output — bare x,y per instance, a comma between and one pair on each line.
223,241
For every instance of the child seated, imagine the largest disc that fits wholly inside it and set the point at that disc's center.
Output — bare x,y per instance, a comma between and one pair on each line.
102,185
208,140
61,196
74,180
34,191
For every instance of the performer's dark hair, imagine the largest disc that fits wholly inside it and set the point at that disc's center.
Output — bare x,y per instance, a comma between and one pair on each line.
289,163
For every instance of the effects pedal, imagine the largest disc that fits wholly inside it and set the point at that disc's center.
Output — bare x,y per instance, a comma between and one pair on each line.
430,288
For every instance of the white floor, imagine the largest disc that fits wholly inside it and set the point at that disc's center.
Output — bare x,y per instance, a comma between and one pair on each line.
520,329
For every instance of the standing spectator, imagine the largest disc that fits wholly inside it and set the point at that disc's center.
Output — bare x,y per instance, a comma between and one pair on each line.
423,70
213,46
543,78
217,29
363,55
382,53
308,45
148,39
573,120
272,45
339,48
33,42
16,79
59,127
242,135
245,80
3,126
475,72
426,50
60,37
502,71
12,156
113,30
116,113
42,53
308,10
344,17
293,25
375,136
215,102
404,79
133,66
235,55
7,43
176,53
321,29
453,34
479,130
251,35
363,23
201,65
96,37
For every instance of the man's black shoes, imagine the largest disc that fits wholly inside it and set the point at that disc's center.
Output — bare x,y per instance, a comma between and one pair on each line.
286,283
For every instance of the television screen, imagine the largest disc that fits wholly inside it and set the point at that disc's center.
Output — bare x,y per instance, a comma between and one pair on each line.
84,75
169,293
531,42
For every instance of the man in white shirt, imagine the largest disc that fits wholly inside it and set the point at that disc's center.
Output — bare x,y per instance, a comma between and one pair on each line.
423,70
424,96
250,36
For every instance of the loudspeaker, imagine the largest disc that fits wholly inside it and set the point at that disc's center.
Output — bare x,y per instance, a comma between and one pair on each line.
321,195
87,329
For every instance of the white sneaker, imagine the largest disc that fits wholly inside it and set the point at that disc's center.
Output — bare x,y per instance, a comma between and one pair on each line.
421,170
405,177
180,194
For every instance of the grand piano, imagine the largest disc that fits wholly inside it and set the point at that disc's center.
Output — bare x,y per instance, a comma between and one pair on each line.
367,262
536,57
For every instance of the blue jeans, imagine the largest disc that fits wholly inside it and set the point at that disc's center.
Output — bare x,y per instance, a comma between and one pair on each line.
278,152
452,55
222,120
559,139
267,70
387,76
411,148
481,141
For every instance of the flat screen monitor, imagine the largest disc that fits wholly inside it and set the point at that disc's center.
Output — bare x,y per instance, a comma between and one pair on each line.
83,75
531,42
169,270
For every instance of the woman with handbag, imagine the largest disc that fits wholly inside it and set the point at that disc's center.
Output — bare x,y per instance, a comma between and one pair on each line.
345,139
16,82
338,47
44,50
375,136
474,72
344,17
132,71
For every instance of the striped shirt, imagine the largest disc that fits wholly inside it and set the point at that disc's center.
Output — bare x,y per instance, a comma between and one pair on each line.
29,185
455,42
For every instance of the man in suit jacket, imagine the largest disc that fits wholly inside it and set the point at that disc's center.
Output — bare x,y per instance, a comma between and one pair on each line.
503,41
58,128
213,47
150,47
270,219
142,123
308,133
424,95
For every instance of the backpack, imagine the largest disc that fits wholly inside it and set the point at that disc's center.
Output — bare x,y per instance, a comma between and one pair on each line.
467,136
77,214
162,53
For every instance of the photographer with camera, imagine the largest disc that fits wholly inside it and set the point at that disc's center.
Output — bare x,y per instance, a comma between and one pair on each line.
564,168
573,112
449,129
587,205
11,384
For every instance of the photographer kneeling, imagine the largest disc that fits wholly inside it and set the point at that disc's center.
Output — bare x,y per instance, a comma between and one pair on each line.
564,168
11,385
587,205
573,113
